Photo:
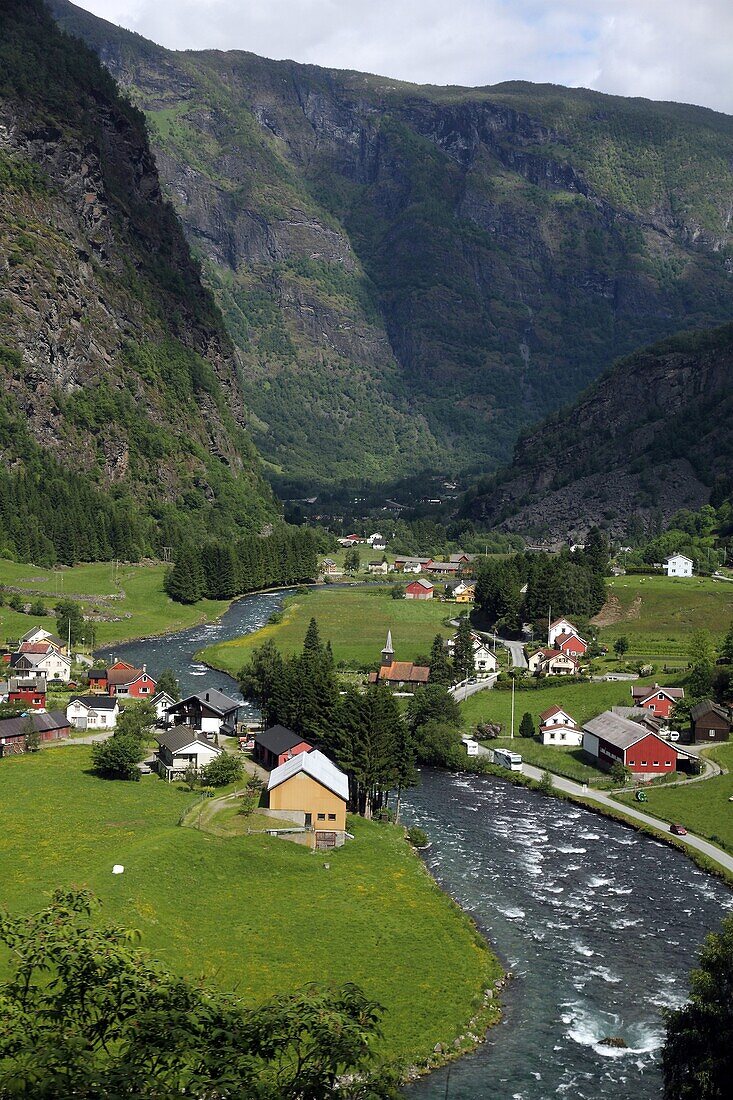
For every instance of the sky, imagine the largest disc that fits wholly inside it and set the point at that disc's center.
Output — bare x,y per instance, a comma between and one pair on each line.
663,49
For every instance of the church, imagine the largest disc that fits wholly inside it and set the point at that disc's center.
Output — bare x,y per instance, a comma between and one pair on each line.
401,675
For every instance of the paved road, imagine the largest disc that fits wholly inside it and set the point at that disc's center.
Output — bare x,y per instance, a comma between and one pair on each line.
517,651
467,690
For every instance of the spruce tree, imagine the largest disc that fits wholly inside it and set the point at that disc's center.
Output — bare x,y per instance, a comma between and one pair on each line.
185,582
441,669
463,661
526,726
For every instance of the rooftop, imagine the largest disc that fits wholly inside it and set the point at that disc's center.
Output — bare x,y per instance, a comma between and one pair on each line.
180,737
616,730
316,765
279,739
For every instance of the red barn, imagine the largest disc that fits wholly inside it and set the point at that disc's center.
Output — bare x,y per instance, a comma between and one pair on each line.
419,590
572,645
658,700
52,725
610,740
28,691
276,745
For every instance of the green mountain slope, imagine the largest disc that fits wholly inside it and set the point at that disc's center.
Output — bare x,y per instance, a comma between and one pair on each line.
414,274
117,373
650,437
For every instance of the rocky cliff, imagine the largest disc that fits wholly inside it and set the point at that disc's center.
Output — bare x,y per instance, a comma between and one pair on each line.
414,274
650,437
113,353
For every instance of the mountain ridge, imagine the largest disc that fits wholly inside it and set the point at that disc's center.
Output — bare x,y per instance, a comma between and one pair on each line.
420,272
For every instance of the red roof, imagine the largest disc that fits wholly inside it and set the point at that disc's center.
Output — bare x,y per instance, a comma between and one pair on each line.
552,711
562,638
403,671
35,647
118,676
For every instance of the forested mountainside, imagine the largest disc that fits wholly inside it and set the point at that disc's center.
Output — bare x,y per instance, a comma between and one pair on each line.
413,274
120,404
650,437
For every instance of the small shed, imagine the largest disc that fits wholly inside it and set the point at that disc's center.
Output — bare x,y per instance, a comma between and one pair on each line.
709,722
419,590
277,745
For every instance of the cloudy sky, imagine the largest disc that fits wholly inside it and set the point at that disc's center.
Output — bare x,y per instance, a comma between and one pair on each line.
663,49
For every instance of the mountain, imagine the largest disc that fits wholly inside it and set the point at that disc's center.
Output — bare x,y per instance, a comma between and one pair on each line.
650,437
117,372
414,274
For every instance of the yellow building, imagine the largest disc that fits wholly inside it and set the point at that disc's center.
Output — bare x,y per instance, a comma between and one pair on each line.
465,593
311,784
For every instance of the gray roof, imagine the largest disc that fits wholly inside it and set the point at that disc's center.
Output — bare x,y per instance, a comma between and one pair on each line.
643,691
213,699
318,767
639,714
96,702
43,720
279,739
616,730
706,706
181,736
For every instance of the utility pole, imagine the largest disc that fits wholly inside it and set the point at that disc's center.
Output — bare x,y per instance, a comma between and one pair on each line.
511,735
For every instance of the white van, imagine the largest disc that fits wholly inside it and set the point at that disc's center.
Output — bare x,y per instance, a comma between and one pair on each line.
508,759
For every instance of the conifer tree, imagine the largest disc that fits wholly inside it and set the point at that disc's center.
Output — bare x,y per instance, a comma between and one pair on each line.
441,669
463,660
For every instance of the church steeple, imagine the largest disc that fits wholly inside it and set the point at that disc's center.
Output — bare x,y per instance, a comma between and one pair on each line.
388,651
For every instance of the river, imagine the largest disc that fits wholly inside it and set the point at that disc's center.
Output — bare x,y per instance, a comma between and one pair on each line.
599,924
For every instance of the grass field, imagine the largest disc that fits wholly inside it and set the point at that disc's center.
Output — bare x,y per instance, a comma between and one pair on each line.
355,620
568,762
250,913
703,807
658,614
583,701
143,607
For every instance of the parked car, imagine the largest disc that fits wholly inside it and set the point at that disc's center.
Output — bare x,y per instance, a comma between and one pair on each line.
678,830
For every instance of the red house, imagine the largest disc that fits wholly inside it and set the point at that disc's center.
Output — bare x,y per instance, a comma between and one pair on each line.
660,701
610,740
29,691
419,590
572,645
134,683
276,745
97,678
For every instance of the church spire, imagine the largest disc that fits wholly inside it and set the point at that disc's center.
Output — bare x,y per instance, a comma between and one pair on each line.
388,651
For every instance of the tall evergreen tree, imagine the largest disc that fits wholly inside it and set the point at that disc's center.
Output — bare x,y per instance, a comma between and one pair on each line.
185,581
441,668
463,660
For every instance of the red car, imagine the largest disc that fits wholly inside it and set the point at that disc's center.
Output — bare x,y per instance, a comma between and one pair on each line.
678,830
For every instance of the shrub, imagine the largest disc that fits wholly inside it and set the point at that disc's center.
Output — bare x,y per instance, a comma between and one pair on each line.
118,757
417,837
222,770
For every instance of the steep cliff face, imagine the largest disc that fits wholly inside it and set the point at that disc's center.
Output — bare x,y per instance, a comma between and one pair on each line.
650,437
421,272
114,353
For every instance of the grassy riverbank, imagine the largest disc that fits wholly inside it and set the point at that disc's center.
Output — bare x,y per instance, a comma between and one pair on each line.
124,602
354,620
250,913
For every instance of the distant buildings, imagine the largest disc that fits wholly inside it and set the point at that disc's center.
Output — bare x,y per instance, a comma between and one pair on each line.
678,566
419,590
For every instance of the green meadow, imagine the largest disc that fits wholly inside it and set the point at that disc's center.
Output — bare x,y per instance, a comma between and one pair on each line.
126,601
247,913
354,620
659,614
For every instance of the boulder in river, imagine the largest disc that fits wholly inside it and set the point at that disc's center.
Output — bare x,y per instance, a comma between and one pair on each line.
614,1041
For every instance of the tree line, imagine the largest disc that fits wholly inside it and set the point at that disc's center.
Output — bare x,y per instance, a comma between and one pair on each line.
219,570
528,586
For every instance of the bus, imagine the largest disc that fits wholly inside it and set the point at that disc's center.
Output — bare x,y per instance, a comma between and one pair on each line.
508,759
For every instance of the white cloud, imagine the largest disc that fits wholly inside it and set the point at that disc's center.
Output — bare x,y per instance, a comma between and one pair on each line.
664,49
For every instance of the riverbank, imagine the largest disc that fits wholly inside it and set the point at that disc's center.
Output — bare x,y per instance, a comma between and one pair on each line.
252,912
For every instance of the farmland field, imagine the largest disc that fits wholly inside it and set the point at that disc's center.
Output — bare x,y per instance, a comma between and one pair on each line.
354,620
659,614
250,913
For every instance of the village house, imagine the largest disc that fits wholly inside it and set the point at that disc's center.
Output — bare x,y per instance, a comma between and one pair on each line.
97,679
610,739
329,568
464,593
377,541
182,748
412,565
572,645
485,661
658,700
133,683
445,568
40,634
709,722
678,566
160,703
93,712
42,658
210,712
378,567
310,784
558,627
29,691
276,746
51,725
558,727
419,590
551,662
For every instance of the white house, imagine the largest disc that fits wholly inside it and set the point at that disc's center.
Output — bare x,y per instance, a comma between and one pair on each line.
92,712
485,660
678,566
379,567
211,713
557,727
560,626
161,702
182,748
51,664
40,634
551,662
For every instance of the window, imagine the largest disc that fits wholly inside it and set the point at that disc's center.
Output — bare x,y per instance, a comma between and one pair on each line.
144,691
643,764
321,817
656,763
652,706
332,817
711,733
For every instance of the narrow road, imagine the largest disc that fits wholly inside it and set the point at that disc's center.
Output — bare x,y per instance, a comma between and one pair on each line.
516,650
465,691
